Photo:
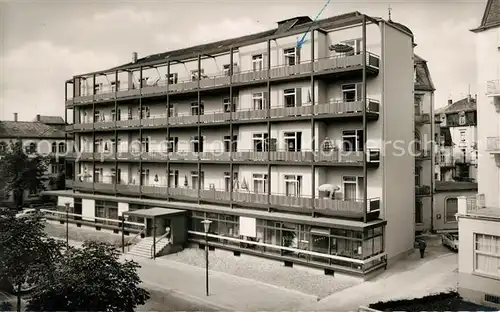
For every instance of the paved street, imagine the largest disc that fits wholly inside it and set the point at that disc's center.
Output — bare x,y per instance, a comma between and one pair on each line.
166,300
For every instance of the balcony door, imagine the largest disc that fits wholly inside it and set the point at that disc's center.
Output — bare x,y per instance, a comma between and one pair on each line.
293,141
293,185
353,187
352,92
352,140
259,183
228,181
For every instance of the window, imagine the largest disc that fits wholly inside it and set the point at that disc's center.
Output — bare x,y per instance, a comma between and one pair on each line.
113,114
145,177
260,142
144,112
129,113
197,178
352,92
352,141
97,116
173,178
228,181
31,148
197,109
350,184
293,141
171,111
463,137
62,147
54,147
257,62
259,183
418,171
172,78
172,144
355,44
461,118
115,86
145,145
228,143
418,103
418,211
116,176
3,147
197,145
97,88
487,255
293,185
291,56
54,169
259,101
451,208
289,95
98,175
418,146
228,106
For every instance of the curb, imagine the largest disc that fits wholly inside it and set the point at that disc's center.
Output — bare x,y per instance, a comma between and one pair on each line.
191,298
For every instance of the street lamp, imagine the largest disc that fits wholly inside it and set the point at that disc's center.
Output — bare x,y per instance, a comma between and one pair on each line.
206,225
124,218
67,226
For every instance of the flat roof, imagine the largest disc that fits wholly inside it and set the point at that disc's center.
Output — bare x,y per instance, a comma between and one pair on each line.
154,212
486,212
260,214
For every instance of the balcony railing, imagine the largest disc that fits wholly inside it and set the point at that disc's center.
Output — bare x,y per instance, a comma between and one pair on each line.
422,190
319,66
333,156
423,154
474,203
493,144
423,118
333,108
493,88
300,203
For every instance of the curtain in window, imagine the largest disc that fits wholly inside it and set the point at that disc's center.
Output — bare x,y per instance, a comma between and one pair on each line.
349,191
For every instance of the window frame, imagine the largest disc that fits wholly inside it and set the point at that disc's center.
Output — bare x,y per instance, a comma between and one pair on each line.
260,177
447,218
494,255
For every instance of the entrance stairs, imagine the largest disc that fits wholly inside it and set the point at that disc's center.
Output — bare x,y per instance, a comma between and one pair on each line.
144,248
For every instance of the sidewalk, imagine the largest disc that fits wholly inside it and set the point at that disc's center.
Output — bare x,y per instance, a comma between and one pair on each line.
431,276
227,292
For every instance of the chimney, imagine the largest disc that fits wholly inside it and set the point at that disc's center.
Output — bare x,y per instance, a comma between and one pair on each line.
134,57
38,117
450,101
469,98
15,116
475,97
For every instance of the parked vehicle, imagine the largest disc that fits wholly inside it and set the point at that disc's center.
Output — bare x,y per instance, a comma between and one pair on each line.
29,212
450,240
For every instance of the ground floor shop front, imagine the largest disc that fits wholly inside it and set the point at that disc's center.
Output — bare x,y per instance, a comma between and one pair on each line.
334,245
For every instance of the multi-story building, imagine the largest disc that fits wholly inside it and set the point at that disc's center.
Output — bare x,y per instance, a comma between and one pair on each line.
479,218
44,135
300,148
424,131
456,158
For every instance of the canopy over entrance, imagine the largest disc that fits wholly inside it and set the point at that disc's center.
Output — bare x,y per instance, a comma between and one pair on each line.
154,212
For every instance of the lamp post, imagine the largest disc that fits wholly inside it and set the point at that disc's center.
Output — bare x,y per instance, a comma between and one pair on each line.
206,225
124,218
67,225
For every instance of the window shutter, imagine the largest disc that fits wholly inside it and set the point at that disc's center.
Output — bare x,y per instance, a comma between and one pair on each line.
266,100
298,96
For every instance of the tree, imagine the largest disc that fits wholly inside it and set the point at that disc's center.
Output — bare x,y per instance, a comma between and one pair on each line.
90,279
21,170
27,255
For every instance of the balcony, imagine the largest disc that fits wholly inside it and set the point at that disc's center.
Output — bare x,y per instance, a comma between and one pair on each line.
493,88
301,204
323,66
423,155
423,118
321,158
493,145
422,190
337,109
68,128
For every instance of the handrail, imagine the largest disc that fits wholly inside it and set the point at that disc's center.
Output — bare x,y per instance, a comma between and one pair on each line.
130,241
156,243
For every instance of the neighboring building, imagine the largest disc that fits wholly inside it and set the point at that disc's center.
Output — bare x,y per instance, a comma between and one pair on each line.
269,145
479,218
458,121
47,129
424,149
445,201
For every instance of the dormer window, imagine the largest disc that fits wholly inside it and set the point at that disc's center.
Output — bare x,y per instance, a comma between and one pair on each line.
461,118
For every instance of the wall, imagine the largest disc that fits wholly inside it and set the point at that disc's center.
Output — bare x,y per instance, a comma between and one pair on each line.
488,68
398,119
472,286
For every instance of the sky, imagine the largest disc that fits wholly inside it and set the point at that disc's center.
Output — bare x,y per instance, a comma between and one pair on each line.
43,43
